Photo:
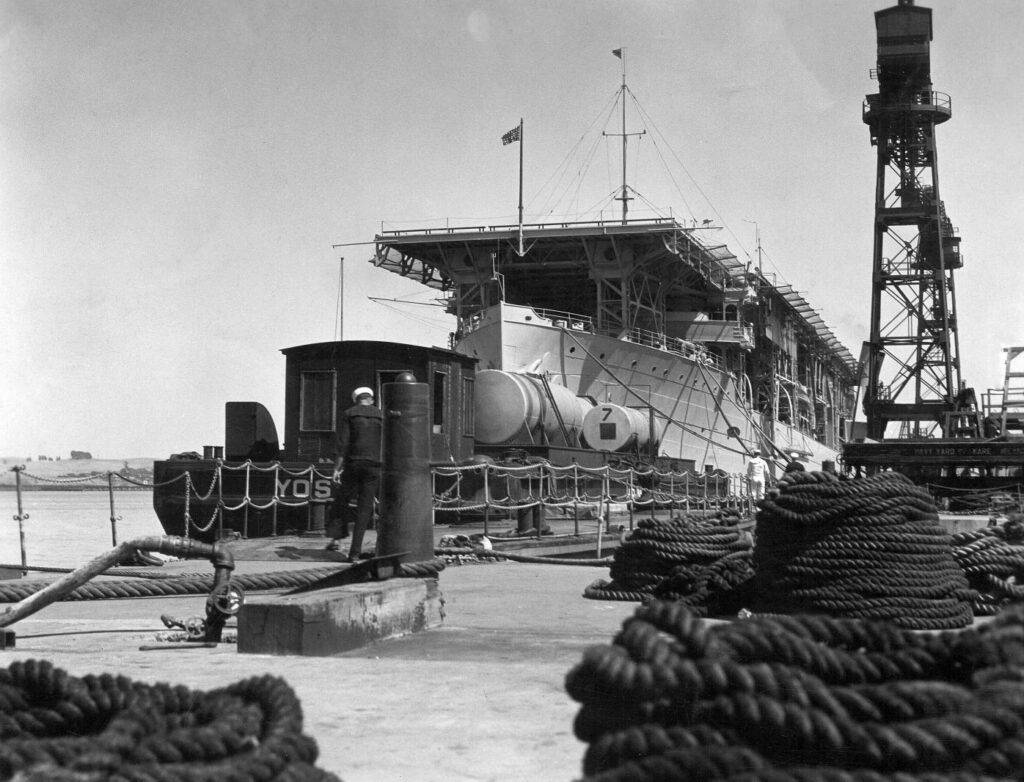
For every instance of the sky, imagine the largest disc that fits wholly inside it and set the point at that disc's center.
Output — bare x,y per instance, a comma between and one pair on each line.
180,181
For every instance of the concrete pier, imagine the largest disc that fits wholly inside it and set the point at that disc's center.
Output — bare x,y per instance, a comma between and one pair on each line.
330,621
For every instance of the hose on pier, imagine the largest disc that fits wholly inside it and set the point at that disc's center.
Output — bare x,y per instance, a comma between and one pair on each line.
801,698
189,584
198,584
95,728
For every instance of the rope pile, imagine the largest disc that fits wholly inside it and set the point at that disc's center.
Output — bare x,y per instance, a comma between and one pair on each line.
795,699
871,548
96,728
686,558
992,558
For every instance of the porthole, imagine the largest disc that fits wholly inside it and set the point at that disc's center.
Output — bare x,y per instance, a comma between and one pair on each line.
633,365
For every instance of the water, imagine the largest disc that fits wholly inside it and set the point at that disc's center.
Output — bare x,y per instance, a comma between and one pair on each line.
68,528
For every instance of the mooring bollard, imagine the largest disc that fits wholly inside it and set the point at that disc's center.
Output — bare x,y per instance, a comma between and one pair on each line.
406,522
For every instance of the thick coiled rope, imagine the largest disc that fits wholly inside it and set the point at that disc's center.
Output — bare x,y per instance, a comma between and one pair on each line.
687,558
871,549
992,558
199,584
800,698
55,726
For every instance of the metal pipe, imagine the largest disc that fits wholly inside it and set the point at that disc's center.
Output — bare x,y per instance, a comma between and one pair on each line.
174,545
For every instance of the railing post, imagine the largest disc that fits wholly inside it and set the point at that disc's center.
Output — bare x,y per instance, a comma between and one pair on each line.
671,494
245,502
218,475
538,510
654,498
487,499
575,499
273,502
113,515
20,518
607,498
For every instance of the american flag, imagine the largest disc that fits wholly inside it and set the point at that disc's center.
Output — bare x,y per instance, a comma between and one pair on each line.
512,135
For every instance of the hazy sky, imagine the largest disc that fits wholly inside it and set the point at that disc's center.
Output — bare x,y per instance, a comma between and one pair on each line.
173,176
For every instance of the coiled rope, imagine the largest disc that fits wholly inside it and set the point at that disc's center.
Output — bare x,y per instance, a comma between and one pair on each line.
868,548
800,698
197,584
692,559
97,728
871,548
992,558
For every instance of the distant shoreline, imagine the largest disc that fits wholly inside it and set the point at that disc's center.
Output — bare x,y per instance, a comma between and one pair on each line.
58,487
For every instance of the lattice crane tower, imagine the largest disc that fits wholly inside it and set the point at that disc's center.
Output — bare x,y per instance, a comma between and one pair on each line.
914,339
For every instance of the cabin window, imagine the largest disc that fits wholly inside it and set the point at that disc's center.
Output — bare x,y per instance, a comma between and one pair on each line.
467,407
317,401
439,388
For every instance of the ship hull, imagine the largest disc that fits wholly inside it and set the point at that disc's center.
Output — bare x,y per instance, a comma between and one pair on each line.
702,419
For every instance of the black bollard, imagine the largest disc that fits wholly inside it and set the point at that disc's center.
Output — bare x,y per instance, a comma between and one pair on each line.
406,521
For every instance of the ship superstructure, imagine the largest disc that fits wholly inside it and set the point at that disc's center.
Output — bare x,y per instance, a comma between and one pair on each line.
680,349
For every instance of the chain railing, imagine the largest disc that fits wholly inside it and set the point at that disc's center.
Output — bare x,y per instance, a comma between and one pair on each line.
486,488
21,516
515,488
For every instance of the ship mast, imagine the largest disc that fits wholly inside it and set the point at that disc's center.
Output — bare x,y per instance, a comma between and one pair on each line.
624,198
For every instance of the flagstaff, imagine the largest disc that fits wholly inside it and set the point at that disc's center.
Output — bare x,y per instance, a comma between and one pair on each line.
521,144
516,134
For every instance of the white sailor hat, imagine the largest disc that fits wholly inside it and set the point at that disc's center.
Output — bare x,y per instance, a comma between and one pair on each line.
360,392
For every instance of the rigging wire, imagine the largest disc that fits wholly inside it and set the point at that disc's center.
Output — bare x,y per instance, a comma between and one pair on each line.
554,198
423,321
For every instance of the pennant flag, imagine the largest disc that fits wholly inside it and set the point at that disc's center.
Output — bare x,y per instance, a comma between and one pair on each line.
617,53
512,135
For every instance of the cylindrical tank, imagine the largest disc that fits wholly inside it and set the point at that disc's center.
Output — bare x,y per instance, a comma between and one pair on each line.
406,523
506,401
615,428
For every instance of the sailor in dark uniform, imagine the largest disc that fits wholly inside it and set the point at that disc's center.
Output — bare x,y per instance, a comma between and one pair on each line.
358,449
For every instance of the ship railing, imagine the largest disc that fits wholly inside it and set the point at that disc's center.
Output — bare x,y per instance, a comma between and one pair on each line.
489,489
567,320
681,347
447,230
651,339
